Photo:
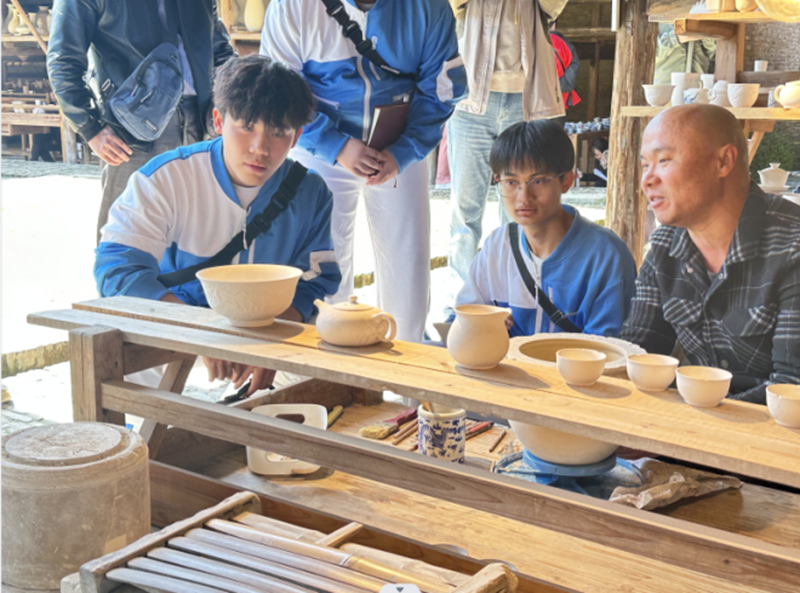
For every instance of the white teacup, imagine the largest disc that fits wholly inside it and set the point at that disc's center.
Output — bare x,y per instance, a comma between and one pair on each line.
580,366
783,402
658,95
652,372
698,95
743,94
703,387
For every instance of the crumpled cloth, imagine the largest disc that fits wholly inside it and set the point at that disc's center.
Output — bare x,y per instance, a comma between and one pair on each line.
666,483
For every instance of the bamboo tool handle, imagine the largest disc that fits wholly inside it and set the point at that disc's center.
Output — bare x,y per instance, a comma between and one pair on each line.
293,560
302,577
330,555
278,527
341,535
404,436
477,429
231,571
149,581
408,430
194,576
493,578
499,440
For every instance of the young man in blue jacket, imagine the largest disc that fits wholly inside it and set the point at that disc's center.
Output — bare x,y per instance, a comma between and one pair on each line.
413,37
185,205
585,270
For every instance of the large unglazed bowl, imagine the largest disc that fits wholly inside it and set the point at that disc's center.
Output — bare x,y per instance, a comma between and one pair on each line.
542,348
559,447
250,295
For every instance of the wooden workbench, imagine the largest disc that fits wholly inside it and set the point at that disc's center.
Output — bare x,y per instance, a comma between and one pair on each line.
738,541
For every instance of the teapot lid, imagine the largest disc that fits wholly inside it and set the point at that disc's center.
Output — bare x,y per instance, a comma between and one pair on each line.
352,304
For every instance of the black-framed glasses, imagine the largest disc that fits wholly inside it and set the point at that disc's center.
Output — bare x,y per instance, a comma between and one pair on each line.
510,187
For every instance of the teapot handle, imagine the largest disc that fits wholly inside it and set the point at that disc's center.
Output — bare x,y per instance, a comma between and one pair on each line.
392,326
776,94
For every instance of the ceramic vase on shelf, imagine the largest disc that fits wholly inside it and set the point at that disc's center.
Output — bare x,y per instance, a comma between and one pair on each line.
22,28
254,12
41,21
13,21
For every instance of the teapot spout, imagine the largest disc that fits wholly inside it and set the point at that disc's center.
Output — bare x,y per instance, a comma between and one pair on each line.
320,304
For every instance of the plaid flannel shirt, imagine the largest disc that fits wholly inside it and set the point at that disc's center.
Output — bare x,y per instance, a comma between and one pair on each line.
745,320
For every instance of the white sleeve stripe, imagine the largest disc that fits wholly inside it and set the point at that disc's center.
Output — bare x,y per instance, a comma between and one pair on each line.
444,86
315,259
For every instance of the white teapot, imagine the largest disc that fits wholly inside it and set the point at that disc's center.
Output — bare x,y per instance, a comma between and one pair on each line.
774,176
354,324
788,94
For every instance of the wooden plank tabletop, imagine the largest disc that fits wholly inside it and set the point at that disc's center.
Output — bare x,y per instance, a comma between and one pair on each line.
735,436
749,113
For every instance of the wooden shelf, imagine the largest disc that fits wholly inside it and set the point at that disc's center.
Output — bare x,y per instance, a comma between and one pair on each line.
6,38
246,36
752,113
720,17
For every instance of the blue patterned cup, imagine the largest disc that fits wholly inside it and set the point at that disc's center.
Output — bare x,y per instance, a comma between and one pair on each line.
442,433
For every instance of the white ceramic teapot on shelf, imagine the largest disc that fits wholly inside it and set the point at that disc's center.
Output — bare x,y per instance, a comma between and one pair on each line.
788,94
774,176
354,324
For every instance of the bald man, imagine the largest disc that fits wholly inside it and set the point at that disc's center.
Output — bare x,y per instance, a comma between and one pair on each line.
722,277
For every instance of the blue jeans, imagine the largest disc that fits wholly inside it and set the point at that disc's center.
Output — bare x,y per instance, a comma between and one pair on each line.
469,141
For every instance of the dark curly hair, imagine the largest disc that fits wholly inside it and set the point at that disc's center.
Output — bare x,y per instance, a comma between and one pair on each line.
254,87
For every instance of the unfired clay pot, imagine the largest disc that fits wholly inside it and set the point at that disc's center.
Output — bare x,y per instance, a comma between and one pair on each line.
354,324
478,338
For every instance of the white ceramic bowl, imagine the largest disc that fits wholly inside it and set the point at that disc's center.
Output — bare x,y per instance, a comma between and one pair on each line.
580,366
658,95
743,94
250,295
703,387
652,372
560,447
783,402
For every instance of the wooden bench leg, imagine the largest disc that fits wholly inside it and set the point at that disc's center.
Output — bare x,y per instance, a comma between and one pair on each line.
95,355
174,380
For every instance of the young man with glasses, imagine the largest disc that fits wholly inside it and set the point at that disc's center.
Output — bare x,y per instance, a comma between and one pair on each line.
584,270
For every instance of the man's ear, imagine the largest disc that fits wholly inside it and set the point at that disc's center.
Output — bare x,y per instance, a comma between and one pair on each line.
728,156
297,137
217,116
567,181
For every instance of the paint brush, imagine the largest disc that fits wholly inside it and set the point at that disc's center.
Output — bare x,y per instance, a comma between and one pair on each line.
383,429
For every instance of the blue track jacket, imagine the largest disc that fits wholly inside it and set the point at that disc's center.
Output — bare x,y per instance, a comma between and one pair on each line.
590,277
181,209
412,36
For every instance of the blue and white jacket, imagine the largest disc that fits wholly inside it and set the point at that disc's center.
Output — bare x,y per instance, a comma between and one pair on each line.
181,208
412,36
590,277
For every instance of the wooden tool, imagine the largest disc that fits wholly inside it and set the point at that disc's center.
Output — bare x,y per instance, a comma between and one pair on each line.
408,429
204,578
477,429
149,582
334,414
499,440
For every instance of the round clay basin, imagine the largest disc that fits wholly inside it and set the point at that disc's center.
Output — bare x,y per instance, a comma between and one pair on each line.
560,447
542,348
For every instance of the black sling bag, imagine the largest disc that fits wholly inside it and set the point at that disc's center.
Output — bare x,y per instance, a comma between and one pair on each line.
352,31
553,312
260,224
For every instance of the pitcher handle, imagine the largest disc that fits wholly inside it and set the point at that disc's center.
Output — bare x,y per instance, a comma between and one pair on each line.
392,326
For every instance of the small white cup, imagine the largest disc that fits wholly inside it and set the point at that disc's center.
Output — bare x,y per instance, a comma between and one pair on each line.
698,95
743,94
581,367
658,95
703,387
760,66
708,81
652,372
783,402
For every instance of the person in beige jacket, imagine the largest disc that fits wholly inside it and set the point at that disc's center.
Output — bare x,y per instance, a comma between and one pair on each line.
512,77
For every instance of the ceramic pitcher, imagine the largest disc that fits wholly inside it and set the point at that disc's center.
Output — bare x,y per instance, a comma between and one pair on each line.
478,338
682,81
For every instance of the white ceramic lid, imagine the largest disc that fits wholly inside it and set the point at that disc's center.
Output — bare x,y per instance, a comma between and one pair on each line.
352,305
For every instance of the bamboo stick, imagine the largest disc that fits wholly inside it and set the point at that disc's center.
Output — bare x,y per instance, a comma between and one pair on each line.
298,561
493,578
151,582
412,430
194,576
330,555
236,573
271,568
499,440
341,535
416,566
271,525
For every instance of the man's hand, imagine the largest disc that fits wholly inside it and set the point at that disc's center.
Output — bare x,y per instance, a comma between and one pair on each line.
360,159
110,147
261,378
171,298
388,170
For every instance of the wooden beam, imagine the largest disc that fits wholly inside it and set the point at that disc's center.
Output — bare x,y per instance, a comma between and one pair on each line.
752,147
730,56
741,113
713,29
633,66
139,358
24,16
589,33
69,143
594,69
702,549
95,355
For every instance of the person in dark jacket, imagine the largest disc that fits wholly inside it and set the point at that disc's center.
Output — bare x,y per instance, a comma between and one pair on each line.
94,47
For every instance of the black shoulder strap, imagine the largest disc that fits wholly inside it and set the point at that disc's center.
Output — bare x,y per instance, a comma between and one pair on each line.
260,224
555,315
352,31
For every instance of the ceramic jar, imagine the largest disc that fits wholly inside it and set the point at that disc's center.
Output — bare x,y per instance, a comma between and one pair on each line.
12,20
41,21
478,338
774,176
254,12
354,324
695,95
682,81
442,434
788,94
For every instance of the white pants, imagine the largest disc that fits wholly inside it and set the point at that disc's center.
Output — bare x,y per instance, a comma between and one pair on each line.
400,226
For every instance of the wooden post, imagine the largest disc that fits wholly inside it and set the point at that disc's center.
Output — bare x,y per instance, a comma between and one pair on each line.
730,56
594,69
95,355
69,142
634,64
